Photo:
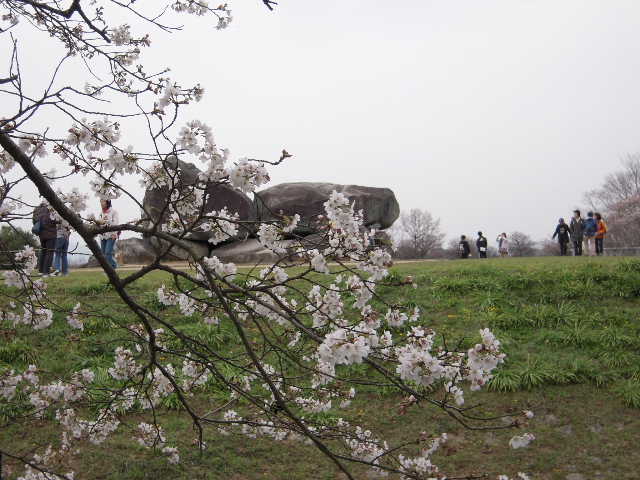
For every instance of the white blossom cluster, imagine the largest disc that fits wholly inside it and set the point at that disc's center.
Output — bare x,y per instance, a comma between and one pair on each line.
421,465
6,162
30,311
223,270
270,237
64,397
75,199
419,364
121,161
8,207
483,359
150,435
222,228
74,319
124,365
327,307
33,146
364,446
246,176
121,35
94,135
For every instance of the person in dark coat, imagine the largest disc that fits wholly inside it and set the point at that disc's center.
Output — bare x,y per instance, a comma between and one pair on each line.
577,232
463,247
563,233
39,210
481,244
48,234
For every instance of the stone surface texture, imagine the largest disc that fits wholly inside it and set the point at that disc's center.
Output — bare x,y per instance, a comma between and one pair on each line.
379,205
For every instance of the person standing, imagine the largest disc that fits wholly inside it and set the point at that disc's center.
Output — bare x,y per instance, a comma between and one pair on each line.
577,232
503,244
47,233
481,244
108,239
39,210
562,232
601,232
60,263
590,230
463,247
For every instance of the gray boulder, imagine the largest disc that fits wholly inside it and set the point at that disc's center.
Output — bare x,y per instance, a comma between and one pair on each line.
131,251
379,205
248,251
218,196
135,251
175,253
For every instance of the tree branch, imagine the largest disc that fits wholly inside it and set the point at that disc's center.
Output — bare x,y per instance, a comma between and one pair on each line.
8,79
269,4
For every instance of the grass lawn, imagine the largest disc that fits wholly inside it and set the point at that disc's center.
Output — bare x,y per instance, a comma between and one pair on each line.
570,327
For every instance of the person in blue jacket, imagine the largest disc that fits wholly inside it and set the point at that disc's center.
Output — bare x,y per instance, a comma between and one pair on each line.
590,230
562,232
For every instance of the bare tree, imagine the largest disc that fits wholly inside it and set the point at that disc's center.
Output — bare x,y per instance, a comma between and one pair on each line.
421,233
623,225
618,186
548,248
521,245
618,200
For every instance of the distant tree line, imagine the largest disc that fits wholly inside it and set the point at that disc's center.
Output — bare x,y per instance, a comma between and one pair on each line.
618,199
418,235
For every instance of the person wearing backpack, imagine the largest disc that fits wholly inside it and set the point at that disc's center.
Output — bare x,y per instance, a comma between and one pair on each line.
481,244
601,232
47,231
562,232
577,232
590,230
463,247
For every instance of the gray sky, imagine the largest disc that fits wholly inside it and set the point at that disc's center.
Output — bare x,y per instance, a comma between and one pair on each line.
493,115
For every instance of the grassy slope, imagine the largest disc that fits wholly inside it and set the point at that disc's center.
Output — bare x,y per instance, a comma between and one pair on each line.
570,328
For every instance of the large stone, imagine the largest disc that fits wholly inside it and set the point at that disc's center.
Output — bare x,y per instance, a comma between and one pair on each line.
218,197
142,251
136,251
175,253
131,251
379,205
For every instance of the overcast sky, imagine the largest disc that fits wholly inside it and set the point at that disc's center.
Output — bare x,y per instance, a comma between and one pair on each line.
492,115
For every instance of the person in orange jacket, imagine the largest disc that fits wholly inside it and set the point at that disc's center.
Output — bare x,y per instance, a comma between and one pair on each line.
600,234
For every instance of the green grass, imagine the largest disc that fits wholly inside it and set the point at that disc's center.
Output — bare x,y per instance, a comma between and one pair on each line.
561,320
570,328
